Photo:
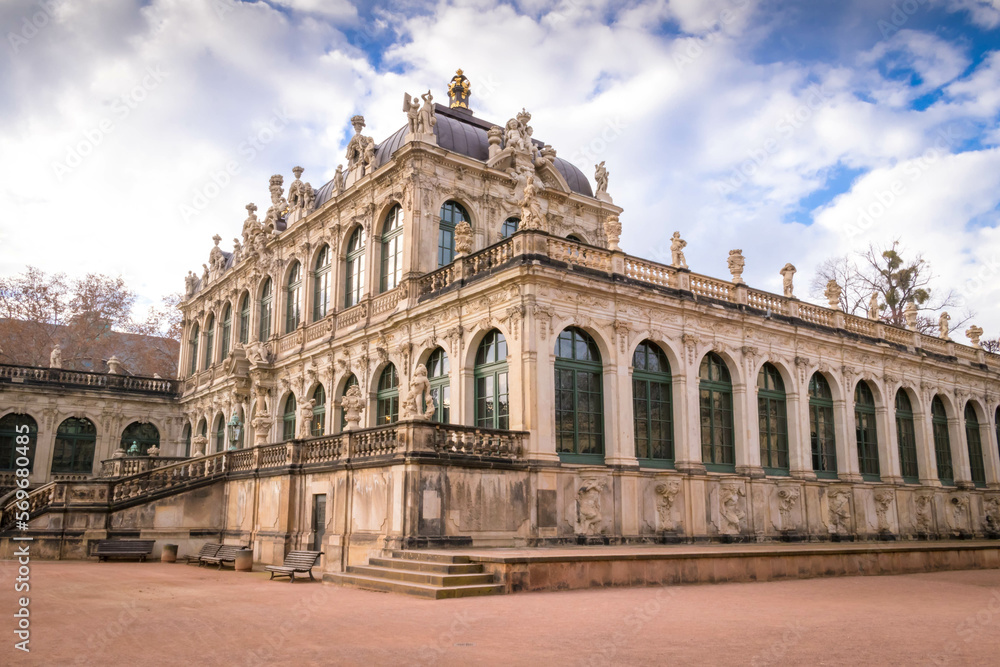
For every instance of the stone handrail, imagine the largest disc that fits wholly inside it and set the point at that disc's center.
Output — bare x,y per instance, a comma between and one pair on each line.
133,465
478,442
571,252
102,381
466,267
712,288
37,499
650,272
767,301
386,302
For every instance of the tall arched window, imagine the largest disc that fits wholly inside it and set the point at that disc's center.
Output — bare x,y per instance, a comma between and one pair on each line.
438,372
942,442
186,435
354,283
226,332
387,398
321,284
266,299
392,249
293,298
352,381
773,421
288,419
74,449
219,433
319,411
510,226
579,396
203,428
193,350
652,407
491,382
715,389
975,444
141,436
452,213
245,318
822,435
905,434
866,432
209,341
16,443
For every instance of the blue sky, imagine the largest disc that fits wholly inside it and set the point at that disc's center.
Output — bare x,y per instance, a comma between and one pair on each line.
132,132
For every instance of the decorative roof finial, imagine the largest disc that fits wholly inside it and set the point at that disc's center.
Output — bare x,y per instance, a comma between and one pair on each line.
459,91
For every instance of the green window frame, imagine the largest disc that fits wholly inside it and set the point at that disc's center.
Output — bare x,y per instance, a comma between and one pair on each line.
942,442
652,405
193,349
439,375
143,436
245,319
352,381
772,418
974,442
220,433
354,278
822,431
186,435
579,398
9,433
288,418
266,301
492,392
509,226
715,394
866,432
392,250
209,336
452,213
76,440
387,397
318,426
293,298
321,284
906,438
226,332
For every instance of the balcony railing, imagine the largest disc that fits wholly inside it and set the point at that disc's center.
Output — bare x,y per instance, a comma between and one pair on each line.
31,375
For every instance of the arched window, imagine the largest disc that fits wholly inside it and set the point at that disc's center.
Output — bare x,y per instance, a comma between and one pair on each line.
579,396
203,428
209,341
387,398
773,421
18,437
822,435
651,404
319,411
137,438
715,389
245,319
220,433
321,284
392,249
491,382
354,284
293,298
942,442
226,332
975,444
438,372
905,434
574,237
510,226
266,298
351,382
866,432
193,350
288,419
452,213
74,448
187,439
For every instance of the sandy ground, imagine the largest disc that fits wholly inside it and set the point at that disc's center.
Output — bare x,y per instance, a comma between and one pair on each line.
173,614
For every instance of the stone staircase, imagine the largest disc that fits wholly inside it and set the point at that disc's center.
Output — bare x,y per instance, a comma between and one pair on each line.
427,575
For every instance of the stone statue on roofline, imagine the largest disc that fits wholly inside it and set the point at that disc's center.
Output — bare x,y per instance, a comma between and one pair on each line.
944,326
613,231
55,358
412,110
426,119
601,176
420,392
190,284
832,294
677,245
910,315
464,239
360,149
736,264
787,274
279,206
873,307
301,196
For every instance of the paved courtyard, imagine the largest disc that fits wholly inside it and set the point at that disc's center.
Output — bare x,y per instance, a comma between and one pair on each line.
173,614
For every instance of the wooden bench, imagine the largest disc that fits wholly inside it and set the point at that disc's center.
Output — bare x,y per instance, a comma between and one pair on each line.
295,561
124,549
226,555
206,550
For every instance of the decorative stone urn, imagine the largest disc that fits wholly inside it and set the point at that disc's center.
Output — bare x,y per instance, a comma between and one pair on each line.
169,553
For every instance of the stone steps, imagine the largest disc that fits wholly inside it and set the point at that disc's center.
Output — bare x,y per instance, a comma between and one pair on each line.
433,576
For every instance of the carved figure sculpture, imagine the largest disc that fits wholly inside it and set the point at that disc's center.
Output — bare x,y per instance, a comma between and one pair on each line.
55,358
531,208
338,179
974,333
237,250
943,326
667,493
736,264
840,510
426,118
883,501
788,497
991,514
730,512
306,418
787,275
958,509
677,245
910,315
512,135
832,294
495,136
463,238
588,504
300,195
190,284
873,307
411,107
275,212
922,503
360,149
601,176
420,389
204,274
257,352
216,258
352,403
613,230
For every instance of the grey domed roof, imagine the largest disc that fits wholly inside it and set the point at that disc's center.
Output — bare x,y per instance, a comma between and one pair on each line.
459,131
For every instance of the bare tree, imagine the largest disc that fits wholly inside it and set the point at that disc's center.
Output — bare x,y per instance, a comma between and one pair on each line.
992,345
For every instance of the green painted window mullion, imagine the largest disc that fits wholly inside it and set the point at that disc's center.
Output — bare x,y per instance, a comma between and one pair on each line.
907,446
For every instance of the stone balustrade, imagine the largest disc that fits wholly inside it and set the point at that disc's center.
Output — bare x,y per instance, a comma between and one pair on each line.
133,465
31,375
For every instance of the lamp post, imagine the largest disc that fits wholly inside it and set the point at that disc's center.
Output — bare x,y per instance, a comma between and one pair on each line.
235,428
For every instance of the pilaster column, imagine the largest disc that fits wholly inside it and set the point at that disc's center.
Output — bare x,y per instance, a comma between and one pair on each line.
799,437
888,451
848,469
960,453
688,431
926,458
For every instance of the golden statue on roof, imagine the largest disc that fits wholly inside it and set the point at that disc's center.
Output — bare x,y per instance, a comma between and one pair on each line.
459,90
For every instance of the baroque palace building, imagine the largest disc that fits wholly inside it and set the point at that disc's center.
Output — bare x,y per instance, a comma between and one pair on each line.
445,345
